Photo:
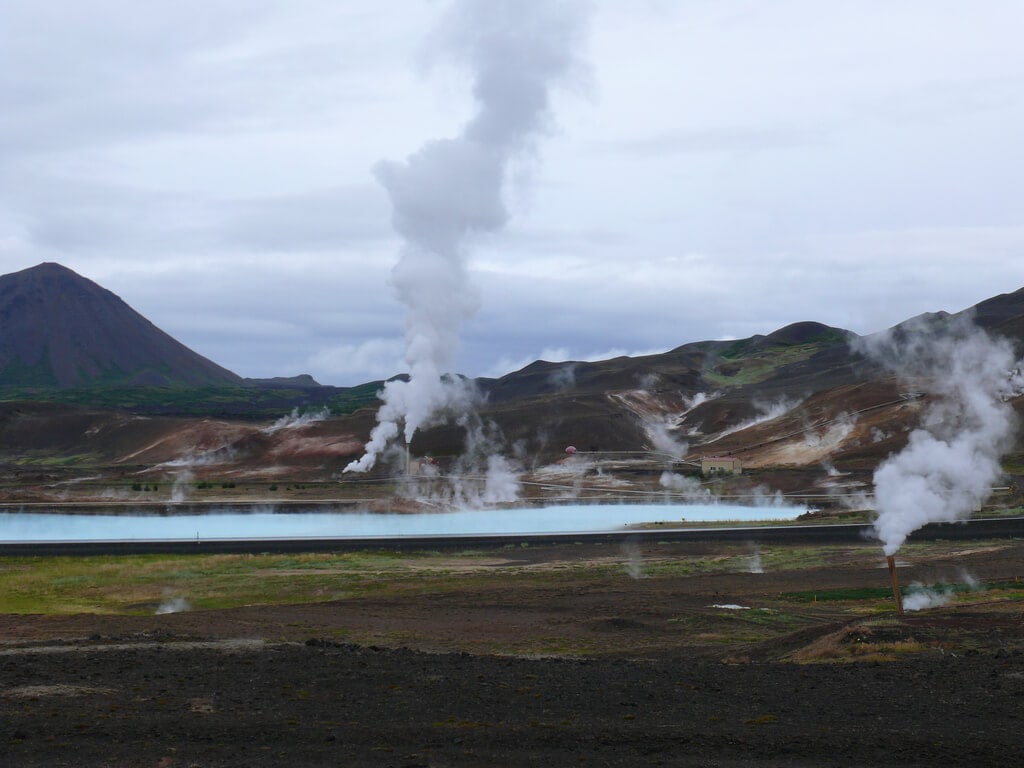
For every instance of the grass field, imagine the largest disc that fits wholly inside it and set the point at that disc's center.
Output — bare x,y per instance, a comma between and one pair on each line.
139,584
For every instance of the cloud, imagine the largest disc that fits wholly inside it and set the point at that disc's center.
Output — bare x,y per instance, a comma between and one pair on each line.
327,219
368,361
118,75
739,139
261,316
732,170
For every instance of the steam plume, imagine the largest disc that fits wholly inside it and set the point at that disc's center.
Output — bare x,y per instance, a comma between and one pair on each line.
951,460
481,477
173,605
451,189
296,420
756,564
691,488
765,412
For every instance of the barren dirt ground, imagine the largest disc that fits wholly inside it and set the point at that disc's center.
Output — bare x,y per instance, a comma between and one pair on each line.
547,656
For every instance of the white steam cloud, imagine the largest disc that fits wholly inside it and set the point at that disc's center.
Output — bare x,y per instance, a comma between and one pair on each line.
634,562
756,565
563,378
481,477
173,605
452,189
297,420
660,432
698,399
951,461
762,496
690,488
182,485
922,596
765,412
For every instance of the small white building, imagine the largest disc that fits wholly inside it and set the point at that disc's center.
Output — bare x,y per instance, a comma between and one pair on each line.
720,465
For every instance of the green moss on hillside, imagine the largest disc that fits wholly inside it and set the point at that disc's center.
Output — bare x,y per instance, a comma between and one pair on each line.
731,369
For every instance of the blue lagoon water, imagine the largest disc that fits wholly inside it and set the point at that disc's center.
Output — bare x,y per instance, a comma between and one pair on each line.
573,518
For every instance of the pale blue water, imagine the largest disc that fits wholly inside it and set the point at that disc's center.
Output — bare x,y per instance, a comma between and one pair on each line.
577,518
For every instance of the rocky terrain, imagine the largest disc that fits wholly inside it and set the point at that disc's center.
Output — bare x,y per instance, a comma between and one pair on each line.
161,704
552,658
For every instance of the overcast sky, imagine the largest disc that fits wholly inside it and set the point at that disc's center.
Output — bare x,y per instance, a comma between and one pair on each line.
710,170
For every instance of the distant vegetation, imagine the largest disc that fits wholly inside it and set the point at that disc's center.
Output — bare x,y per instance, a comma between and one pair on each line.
228,401
739,366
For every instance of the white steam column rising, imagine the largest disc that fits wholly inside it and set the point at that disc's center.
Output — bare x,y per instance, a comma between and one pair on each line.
452,189
952,460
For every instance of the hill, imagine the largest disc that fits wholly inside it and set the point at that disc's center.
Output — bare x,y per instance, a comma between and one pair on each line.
800,407
65,339
58,329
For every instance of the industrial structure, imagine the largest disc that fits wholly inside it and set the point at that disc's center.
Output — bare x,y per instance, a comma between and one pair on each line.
720,465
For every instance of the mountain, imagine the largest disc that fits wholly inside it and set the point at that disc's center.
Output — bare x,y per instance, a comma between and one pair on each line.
800,407
58,329
1003,314
687,395
801,395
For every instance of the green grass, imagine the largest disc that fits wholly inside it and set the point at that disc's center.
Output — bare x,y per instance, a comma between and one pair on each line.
253,402
831,595
739,369
690,566
1013,463
1007,512
136,584
885,593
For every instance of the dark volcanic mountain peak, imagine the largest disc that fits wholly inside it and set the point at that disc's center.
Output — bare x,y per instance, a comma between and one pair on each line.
808,333
1003,314
58,329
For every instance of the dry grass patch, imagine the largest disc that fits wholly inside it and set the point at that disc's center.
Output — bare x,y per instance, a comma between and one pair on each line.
859,643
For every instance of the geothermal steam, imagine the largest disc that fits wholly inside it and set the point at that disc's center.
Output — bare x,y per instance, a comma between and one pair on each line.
951,460
451,189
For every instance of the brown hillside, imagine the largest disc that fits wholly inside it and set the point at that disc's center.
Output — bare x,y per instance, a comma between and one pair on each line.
799,407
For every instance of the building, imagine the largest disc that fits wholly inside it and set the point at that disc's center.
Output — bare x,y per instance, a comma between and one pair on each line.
720,465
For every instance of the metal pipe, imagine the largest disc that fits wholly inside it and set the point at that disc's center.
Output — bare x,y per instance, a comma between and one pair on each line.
895,585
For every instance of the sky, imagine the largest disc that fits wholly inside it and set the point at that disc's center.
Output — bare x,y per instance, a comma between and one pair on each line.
704,170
